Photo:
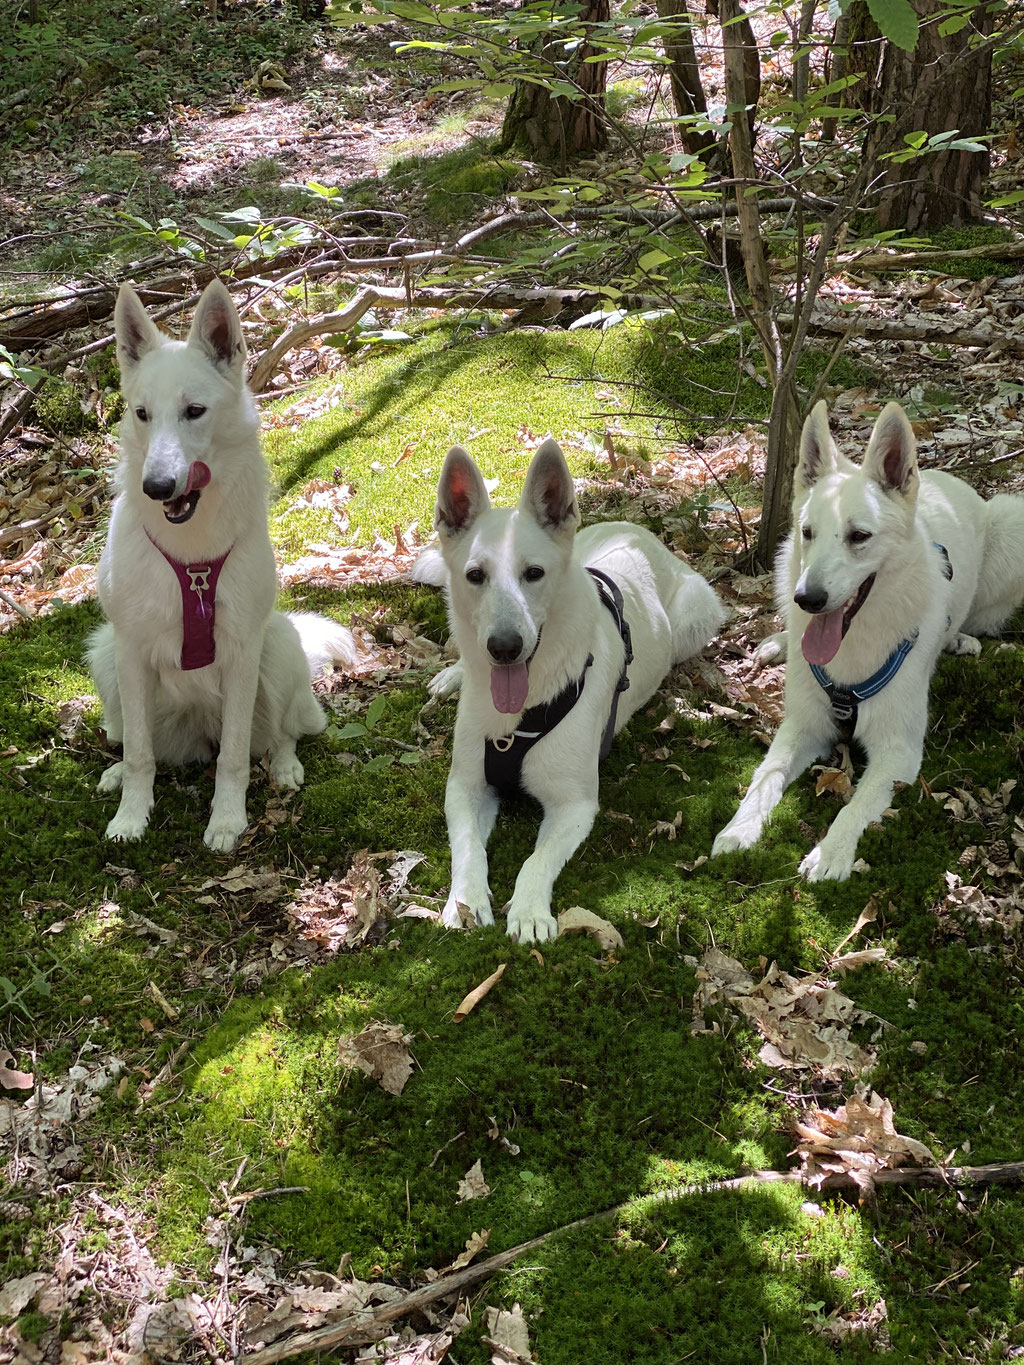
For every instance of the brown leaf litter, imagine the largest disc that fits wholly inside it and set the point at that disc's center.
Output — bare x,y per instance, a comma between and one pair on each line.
473,1185
345,912
380,1051
576,920
470,1001
858,1139
806,1022
38,1132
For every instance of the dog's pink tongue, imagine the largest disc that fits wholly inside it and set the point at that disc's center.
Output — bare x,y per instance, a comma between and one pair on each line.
198,477
823,636
509,685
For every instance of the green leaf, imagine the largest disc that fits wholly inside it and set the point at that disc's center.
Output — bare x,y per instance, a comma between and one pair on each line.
409,759
217,229
897,21
375,711
650,260
352,730
379,762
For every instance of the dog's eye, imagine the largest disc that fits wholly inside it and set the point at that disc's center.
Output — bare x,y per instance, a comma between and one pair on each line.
807,533
142,414
475,575
534,573
859,537
194,410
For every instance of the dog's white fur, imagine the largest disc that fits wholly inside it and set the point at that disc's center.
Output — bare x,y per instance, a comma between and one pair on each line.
672,613
906,514
255,698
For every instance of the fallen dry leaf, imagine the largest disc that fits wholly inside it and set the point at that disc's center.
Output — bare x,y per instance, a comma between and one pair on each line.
474,1245
576,920
16,1295
473,1185
381,1051
10,1079
834,782
508,1335
474,997
838,1328
805,1022
858,1139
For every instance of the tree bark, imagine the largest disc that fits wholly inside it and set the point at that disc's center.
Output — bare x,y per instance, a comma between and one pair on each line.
684,76
943,188
553,128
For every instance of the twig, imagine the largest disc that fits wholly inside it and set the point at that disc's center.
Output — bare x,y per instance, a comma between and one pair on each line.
358,1325
15,606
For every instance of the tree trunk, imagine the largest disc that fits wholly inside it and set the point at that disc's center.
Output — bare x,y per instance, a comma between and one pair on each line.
684,75
553,128
862,44
946,187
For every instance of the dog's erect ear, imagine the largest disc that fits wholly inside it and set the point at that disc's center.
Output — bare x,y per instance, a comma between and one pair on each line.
817,449
461,494
891,459
548,492
216,329
135,331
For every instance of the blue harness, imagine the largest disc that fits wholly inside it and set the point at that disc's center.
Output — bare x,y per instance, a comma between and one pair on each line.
845,700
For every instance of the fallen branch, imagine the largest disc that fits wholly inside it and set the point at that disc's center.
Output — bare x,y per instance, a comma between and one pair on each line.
357,1326
498,297
904,260
930,330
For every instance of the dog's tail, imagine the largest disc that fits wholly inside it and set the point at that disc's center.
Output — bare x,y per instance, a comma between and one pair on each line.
429,568
324,641
1001,580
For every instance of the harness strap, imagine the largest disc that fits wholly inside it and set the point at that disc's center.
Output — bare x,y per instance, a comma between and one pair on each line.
503,757
844,700
198,585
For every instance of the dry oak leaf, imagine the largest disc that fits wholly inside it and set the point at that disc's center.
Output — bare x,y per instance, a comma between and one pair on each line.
857,1139
576,920
473,1185
508,1334
381,1050
475,1243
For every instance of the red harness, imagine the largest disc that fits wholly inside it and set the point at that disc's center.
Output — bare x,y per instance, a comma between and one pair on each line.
198,584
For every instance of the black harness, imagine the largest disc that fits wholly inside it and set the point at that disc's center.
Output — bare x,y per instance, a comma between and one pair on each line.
503,757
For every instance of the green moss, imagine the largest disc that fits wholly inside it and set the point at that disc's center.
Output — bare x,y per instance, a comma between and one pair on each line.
59,409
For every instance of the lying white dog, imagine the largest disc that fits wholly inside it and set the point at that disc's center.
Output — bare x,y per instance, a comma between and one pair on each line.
884,569
194,657
561,637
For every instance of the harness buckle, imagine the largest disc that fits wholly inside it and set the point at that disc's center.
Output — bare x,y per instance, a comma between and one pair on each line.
844,705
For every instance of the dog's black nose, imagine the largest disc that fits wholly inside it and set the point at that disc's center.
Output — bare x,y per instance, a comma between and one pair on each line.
161,490
505,649
811,599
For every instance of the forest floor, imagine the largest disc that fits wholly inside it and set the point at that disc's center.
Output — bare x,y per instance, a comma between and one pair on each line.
190,1168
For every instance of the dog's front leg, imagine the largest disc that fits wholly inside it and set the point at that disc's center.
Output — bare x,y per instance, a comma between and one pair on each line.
791,751
562,830
135,685
239,682
470,809
833,858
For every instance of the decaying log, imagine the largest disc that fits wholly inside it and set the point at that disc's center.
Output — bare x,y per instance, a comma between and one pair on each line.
985,336
908,260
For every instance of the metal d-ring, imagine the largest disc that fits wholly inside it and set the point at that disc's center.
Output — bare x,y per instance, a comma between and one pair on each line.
504,744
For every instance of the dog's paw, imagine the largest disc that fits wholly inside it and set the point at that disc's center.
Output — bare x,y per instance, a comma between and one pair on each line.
287,772
735,837
446,683
531,925
823,864
963,644
128,824
460,915
771,650
224,832
111,780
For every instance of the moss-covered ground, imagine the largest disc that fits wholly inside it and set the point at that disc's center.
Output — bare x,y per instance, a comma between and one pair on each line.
586,1062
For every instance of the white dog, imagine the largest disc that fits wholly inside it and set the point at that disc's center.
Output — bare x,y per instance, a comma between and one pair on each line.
884,569
194,657
561,637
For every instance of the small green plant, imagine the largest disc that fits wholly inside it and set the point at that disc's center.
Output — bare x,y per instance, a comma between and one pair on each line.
368,731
